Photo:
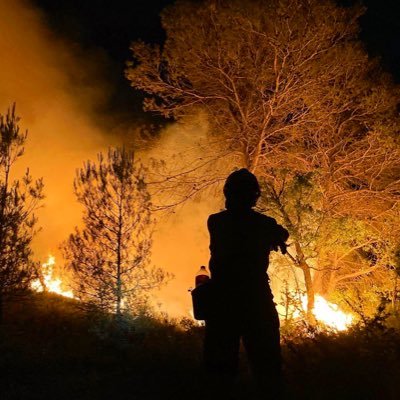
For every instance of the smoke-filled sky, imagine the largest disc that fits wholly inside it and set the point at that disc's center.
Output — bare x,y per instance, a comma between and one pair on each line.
110,27
60,90
62,62
56,94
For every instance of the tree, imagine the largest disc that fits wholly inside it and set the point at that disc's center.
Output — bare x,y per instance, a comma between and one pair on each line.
292,95
18,201
109,256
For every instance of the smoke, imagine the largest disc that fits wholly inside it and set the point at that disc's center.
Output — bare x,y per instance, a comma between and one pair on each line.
58,91
56,94
181,247
181,238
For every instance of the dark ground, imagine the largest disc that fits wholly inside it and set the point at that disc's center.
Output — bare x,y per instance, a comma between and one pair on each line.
51,350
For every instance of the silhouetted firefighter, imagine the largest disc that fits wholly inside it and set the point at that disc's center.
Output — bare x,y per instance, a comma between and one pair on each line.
241,240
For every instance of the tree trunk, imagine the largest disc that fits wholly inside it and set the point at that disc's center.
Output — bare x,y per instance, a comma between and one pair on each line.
119,261
300,260
310,292
307,282
1,309
323,281
119,282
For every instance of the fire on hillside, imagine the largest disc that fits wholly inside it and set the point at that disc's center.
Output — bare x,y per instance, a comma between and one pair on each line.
48,282
325,312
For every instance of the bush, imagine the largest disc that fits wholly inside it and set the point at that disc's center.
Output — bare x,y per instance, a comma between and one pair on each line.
52,349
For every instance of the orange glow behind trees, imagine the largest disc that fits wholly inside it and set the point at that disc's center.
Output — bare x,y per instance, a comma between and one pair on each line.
291,95
18,201
109,257
294,97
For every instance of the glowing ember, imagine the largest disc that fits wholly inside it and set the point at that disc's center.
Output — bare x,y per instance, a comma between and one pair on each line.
49,283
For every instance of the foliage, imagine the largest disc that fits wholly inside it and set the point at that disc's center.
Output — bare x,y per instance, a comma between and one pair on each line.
51,349
109,256
356,364
291,94
18,201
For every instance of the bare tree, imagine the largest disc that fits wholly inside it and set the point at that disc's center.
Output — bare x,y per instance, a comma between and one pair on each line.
109,256
292,95
18,200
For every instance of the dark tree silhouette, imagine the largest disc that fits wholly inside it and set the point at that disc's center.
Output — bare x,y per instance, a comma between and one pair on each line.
109,256
18,200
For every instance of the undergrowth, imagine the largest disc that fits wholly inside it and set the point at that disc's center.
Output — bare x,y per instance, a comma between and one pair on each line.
50,349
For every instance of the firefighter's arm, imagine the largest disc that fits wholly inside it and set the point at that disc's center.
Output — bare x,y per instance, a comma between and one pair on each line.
280,236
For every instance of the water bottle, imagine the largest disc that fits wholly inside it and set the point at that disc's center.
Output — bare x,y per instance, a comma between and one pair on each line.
202,276
202,294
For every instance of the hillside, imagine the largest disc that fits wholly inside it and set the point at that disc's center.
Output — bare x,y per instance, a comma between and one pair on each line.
52,350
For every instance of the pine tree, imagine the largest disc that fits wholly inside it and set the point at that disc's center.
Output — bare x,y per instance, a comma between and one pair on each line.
110,255
18,201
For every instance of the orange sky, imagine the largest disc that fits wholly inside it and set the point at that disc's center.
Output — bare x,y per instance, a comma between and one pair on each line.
39,72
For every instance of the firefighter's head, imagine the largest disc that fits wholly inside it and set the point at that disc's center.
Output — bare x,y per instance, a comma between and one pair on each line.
241,189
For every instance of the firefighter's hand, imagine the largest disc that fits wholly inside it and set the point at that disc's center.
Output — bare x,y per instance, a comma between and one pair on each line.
279,246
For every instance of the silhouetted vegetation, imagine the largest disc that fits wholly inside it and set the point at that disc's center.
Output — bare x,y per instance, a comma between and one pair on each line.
50,349
109,257
19,198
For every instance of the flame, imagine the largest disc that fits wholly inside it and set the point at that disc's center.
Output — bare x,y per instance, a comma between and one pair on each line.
49,282
324,312
329,314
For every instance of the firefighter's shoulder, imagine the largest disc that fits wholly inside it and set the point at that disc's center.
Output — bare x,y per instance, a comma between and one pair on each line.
265,219
214,218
